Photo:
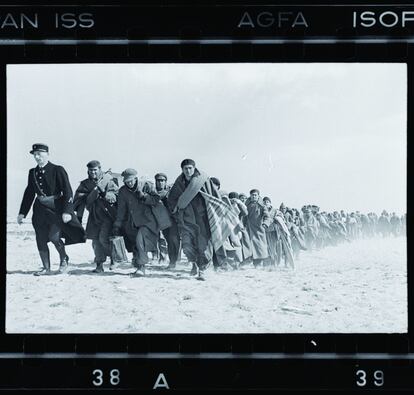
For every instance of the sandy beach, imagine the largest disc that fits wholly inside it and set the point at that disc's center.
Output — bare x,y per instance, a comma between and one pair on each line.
358,287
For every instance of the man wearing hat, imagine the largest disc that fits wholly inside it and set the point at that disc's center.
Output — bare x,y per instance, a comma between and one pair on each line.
98,194
53,215
204,220
170,234
257,221
136,218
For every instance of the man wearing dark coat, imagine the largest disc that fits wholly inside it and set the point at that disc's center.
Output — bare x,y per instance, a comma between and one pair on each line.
136,218
53,215
204,220
98,194
257,221
170,234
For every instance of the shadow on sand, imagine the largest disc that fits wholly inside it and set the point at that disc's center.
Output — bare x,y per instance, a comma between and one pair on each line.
80,272
32,272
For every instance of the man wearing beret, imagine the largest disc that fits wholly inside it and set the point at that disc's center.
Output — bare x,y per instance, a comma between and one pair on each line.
53,215
136,218
98,194
257,222
170,234
204,220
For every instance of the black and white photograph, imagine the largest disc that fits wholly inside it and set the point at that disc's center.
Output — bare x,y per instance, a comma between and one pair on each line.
206,198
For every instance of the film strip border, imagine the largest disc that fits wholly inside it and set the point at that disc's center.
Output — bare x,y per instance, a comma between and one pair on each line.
213,372
217,24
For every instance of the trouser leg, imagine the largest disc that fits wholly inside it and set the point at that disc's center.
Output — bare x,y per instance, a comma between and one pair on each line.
257,262
141,250
189,247
45,257
162,247
54,237
41,241
173,243
190,250
104,235
100,256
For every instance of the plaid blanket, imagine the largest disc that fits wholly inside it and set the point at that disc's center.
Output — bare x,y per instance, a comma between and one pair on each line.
222,219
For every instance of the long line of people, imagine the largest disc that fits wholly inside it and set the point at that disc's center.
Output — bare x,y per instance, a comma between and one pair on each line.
289,230
192,215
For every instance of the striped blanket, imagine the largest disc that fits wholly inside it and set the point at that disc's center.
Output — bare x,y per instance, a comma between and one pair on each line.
221,218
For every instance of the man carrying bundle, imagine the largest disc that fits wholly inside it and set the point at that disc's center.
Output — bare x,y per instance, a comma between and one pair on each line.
204,220
136,218
53,216
98,194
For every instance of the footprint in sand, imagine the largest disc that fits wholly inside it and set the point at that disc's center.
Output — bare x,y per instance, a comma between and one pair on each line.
58,304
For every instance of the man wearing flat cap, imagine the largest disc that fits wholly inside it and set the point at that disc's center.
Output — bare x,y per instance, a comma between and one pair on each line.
170,234
53,215
136,219
257,222
204,220
98,194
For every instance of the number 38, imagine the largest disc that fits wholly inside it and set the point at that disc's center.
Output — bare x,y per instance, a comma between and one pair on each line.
98,375
362,378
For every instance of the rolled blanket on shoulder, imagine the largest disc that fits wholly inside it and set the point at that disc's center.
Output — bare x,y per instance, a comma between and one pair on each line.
222,220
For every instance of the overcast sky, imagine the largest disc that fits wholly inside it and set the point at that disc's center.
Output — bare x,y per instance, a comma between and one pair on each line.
326,134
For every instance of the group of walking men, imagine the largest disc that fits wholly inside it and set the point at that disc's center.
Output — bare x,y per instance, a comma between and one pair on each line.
193,215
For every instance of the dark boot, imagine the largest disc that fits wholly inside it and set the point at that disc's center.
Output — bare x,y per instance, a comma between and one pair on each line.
99,268
257,263
200,276
140,272
171,265
194,270
113,265
64,259
64,262
44,256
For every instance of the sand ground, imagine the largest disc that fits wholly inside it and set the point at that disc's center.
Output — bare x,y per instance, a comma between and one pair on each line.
358,287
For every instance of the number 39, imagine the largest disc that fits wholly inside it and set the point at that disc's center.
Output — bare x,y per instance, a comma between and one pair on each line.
98,376
362,378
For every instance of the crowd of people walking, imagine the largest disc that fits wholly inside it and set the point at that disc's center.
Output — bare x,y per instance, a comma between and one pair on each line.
193,216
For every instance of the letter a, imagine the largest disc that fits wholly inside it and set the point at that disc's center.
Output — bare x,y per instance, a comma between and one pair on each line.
300,20
246,20
161,382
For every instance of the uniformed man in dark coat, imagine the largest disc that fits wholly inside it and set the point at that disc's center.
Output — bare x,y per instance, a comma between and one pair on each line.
136,219
98,194
171,234
53,215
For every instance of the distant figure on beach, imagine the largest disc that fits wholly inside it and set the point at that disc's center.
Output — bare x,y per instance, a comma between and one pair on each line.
384,224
